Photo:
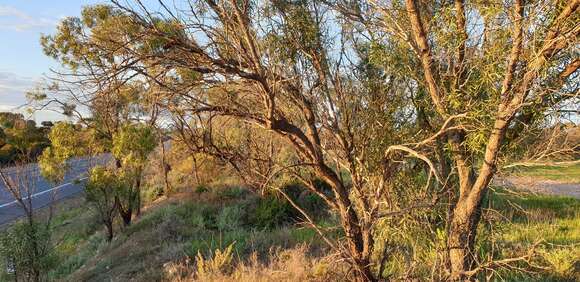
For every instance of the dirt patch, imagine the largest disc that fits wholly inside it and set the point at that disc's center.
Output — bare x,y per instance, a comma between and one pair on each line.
548,187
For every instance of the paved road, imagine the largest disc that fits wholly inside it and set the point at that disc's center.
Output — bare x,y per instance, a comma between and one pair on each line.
43,192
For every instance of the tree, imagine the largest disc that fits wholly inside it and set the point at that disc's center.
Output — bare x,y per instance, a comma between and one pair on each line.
64,145
475,103
21,140
101,191
280,78
132,146
26,245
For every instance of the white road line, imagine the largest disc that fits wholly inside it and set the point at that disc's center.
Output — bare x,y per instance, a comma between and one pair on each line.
42,193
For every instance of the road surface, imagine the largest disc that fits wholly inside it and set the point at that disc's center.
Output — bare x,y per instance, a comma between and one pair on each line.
43,192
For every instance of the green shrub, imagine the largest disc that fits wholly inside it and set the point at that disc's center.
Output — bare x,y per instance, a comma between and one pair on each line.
73,262
230,192
310,202
272,211
313,204
201,188
230,218
26,250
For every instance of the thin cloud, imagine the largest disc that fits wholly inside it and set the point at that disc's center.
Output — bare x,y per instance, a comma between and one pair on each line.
17,20
13,88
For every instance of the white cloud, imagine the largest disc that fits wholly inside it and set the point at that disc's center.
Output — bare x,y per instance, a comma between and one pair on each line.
16,20
13,88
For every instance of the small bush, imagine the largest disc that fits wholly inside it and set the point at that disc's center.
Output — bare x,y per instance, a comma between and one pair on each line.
231,192
272,211
27,251
313,204
201,188
230,218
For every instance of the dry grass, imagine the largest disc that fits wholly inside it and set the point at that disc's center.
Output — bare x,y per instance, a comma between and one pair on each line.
283,265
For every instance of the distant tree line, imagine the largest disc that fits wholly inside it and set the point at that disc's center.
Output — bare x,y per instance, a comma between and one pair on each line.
21,139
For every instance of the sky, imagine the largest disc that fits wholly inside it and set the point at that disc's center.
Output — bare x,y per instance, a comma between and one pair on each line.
22,62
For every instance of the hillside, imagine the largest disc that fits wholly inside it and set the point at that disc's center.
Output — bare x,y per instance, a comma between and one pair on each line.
268,243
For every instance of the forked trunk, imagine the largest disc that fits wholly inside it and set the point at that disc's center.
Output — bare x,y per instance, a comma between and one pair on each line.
359,240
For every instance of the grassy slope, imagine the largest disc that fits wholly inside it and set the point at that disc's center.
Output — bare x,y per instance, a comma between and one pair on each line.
172,230
180,227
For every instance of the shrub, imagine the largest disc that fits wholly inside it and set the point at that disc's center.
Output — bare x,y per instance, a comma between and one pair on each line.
201,188
313,204
27,250
272,211
231,192
230,218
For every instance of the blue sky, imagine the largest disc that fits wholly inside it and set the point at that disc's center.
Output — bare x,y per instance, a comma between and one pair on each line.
22,63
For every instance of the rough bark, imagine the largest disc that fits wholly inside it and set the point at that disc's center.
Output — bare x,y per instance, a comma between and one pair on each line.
110,233
359,241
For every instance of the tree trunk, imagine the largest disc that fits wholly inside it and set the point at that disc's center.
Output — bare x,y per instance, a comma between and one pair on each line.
359,240
126,216
165,168
138,195
109,226
467,212
359,244
461,240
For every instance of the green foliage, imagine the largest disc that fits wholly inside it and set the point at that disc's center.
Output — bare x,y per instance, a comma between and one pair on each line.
199,189
133,143
102,186
235,192
230,218
26,248
102,191
272,211
554,220
64,145
20,139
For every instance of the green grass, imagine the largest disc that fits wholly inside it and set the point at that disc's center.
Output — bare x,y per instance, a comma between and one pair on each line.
172,231
567,173
531,218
